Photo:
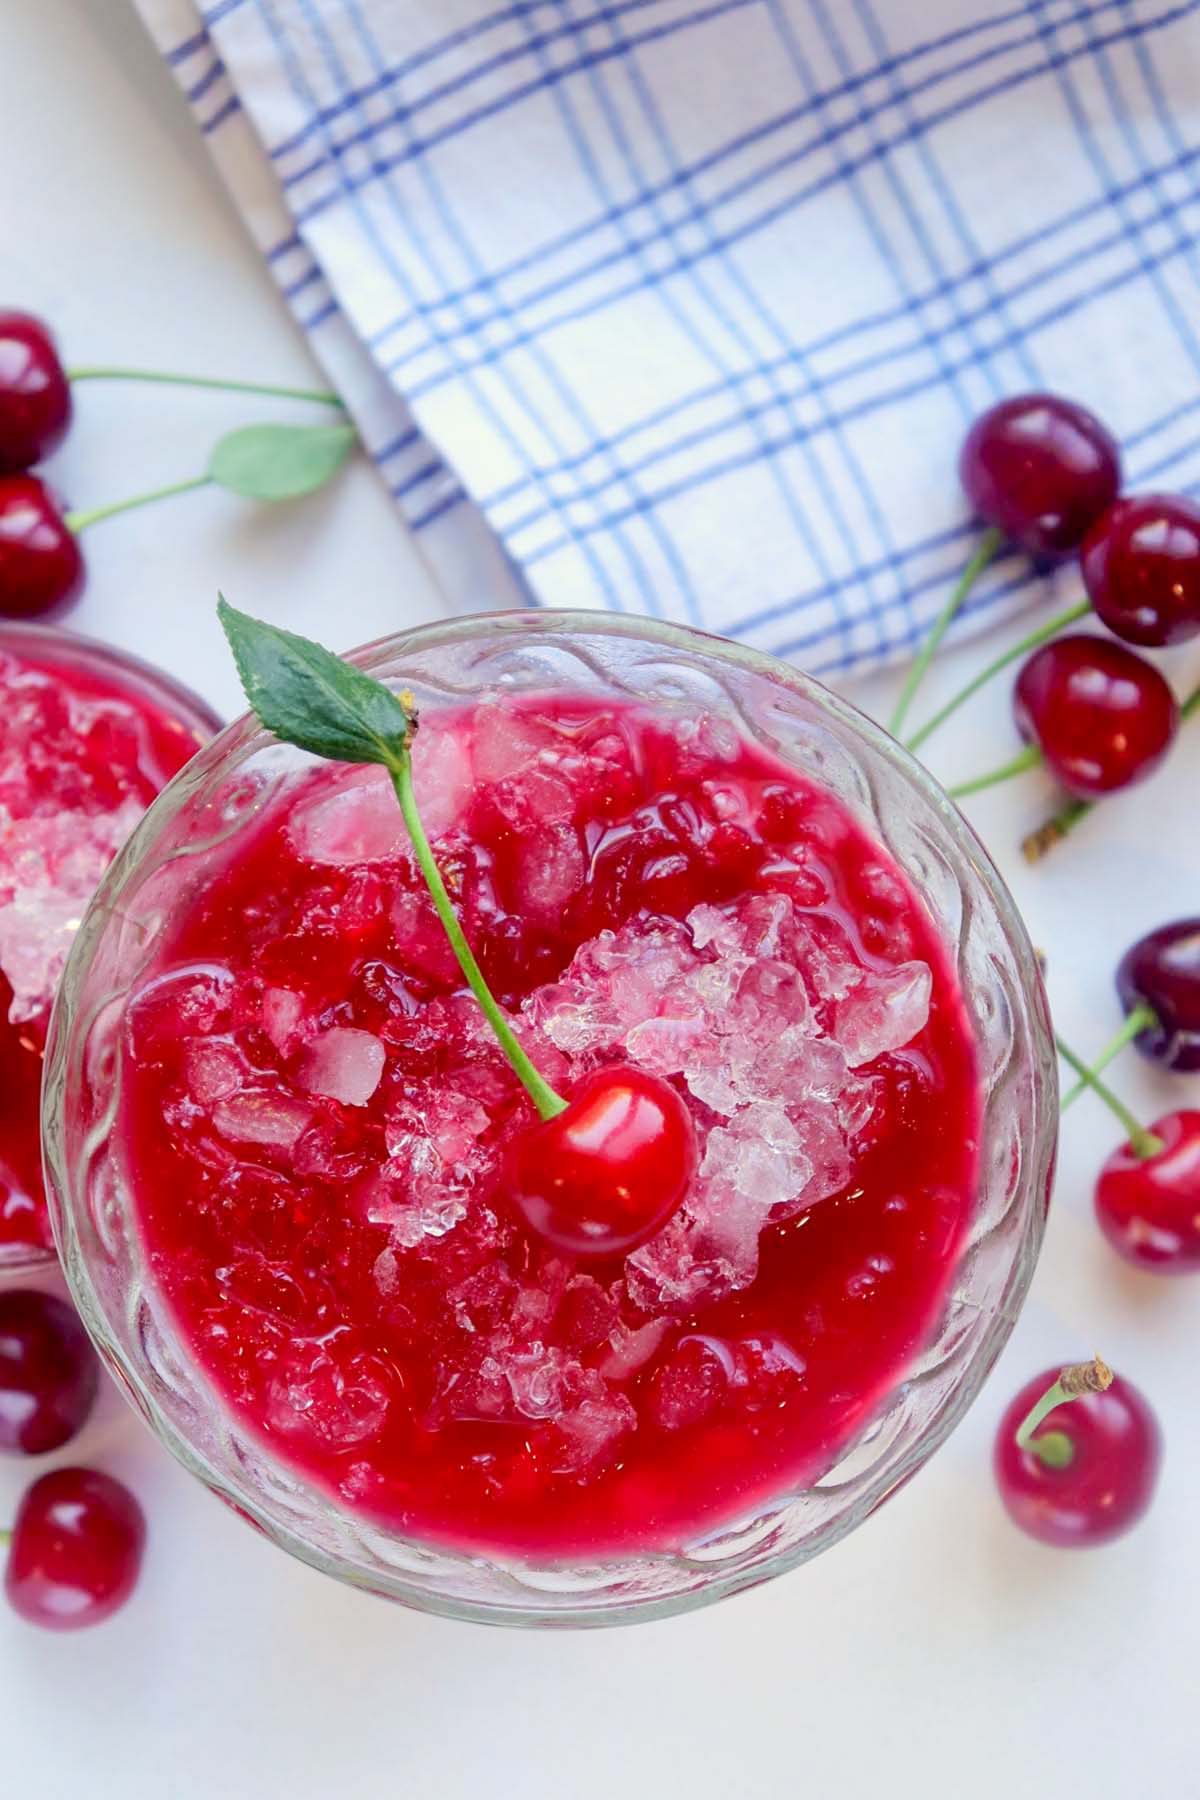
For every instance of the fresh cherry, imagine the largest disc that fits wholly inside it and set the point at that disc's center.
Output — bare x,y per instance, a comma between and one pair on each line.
76,1549
1102,716
1162,972
1091,1468
48,1372
605,1174
1141,568
40,561
1149,1206
35,395
1040,469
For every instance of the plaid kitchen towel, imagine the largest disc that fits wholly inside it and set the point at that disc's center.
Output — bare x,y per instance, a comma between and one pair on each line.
682,307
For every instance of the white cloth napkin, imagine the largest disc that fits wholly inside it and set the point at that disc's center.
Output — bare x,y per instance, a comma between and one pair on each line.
683,306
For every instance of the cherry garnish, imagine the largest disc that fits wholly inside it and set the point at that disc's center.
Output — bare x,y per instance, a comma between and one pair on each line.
1141,568
1041,470
35,395
76,1549
48,1372
604,1175
1162,972
40,562
1089,1472
1102,716
1149,1206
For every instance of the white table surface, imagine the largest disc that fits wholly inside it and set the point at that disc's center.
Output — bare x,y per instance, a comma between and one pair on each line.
937,1652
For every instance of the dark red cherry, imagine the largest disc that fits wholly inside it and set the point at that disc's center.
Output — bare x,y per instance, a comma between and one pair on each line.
1113,1453
48,1372
35,395
1149,1206
1102,716
40,563
76,1549
1162,971
1041,470
1141,568
607,1173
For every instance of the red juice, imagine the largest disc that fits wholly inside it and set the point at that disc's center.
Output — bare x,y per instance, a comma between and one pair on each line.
82,753
314,1117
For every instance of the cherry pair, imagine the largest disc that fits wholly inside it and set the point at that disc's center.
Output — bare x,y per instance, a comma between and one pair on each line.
1148,1194
75,1547
41,567
1045,475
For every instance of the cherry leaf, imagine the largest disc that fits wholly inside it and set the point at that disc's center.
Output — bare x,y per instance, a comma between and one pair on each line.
280,462
309,697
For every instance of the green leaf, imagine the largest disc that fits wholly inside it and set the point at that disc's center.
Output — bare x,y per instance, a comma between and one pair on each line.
308,696
280,462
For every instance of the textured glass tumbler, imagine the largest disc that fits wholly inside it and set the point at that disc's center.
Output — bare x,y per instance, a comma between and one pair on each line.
47,644
198,819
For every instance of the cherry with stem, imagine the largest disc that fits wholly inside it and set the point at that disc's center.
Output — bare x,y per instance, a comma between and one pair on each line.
1098,715
1038,470
41,566
1052,831
1092,1475
604,1168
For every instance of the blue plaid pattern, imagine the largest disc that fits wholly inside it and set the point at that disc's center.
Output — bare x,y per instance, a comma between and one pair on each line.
695,298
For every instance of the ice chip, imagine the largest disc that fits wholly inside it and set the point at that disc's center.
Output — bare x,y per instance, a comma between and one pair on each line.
443,778
537,1378
335,1400
883,1012
49,869
282,1011
214,1069
344,1064
591,1432
357,822
631,1347
261,1116
507,742
550,871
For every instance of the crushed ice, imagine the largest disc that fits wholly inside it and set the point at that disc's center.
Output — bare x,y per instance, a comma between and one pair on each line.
49,869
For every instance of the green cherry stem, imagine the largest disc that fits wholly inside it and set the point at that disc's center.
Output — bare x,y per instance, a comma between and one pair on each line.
5,1537
1054,1448
1143,1143
1139,1020
1033,641
1029,758
80,521
1052,831
548,1103
988,545
321,396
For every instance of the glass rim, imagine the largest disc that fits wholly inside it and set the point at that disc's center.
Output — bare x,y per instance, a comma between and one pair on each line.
244,737
75,649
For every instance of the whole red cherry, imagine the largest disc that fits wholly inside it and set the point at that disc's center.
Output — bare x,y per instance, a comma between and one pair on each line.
607,1173
1102,716
35,395
1095,1477
40,562
1141,568
1149,1206
1041,470
76,1550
